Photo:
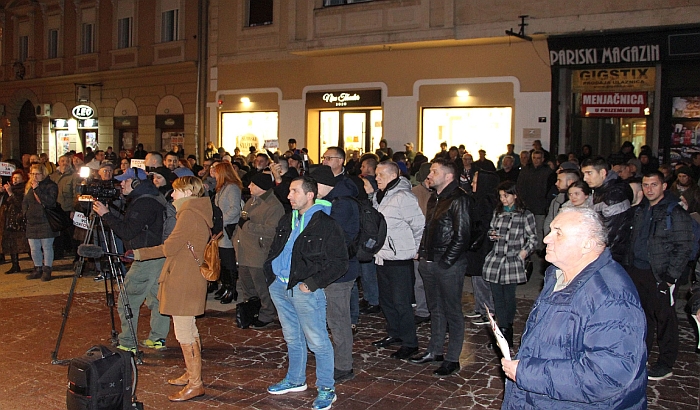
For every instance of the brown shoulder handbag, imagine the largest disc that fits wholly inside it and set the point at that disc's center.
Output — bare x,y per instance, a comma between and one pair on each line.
210,265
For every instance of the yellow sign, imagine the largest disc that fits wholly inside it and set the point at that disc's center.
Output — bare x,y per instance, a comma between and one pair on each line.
614,79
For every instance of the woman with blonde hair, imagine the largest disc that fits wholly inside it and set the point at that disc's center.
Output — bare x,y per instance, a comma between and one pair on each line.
228,199
183,289
40,193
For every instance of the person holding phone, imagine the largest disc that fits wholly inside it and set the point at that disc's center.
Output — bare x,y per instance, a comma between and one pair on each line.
512,230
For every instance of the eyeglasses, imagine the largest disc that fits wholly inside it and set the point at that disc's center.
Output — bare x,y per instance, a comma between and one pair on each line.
329,158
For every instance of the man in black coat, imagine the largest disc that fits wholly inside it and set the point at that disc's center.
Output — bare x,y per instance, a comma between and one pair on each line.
443,262
611,198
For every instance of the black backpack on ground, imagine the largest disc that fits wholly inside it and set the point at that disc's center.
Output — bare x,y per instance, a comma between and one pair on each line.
372,234
103,379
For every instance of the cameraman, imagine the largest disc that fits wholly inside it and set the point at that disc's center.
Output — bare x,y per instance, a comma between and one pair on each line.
141,227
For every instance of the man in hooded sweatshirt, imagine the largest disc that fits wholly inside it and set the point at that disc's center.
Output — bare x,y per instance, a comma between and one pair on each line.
307,254
346,213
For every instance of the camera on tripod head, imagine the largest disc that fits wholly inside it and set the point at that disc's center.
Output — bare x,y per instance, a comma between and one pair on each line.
98,190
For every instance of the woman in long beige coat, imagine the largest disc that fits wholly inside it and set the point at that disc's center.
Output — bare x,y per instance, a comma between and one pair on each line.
183,289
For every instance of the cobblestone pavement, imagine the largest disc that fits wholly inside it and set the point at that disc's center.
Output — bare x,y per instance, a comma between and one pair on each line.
239,364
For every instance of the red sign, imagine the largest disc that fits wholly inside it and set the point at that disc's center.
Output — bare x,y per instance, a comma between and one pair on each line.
608,104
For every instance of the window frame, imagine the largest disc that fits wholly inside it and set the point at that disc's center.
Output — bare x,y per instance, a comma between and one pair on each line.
261,19
174,26
334,3
52,43
87,38
22,48
125,39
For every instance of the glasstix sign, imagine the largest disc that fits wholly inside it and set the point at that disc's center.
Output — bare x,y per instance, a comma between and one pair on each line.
83,112
614,79
344,99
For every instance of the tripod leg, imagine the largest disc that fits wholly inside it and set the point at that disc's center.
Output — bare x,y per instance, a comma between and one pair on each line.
109,292
115,272
69,302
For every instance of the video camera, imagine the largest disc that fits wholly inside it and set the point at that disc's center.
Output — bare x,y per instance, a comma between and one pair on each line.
98,190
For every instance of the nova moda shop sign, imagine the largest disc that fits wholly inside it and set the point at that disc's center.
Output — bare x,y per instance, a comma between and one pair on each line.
344,99
621,104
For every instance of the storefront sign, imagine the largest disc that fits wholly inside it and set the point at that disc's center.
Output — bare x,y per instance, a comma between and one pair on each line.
644,53
83,112
340,99
614,79
170,122
613,104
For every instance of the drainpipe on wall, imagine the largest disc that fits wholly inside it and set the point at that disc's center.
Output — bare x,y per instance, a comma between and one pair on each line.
203,30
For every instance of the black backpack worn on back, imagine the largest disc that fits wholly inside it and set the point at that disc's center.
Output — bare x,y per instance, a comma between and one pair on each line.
218,218
372,233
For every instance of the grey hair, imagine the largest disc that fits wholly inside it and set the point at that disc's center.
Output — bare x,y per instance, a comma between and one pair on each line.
592,223
392,166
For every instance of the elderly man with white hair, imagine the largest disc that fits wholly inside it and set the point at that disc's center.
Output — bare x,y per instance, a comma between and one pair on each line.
583,344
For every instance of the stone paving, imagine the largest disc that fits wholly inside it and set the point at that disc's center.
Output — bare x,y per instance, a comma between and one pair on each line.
239,364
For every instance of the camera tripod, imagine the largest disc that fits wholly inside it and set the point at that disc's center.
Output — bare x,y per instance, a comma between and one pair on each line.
113,277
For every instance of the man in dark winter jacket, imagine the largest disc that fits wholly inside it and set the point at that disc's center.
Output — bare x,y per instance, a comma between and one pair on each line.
141,227
443,261
532,188
611,198
307,254
583,345
658,253
346,213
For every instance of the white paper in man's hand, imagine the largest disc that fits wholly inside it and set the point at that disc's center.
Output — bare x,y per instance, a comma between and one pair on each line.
500,340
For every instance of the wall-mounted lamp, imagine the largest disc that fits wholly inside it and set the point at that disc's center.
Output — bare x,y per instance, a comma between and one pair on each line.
462,93
245,101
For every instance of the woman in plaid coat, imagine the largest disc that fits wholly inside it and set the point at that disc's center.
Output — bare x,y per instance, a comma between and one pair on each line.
513,232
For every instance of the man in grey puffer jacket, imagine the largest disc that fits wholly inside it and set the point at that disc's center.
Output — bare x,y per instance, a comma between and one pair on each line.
405,223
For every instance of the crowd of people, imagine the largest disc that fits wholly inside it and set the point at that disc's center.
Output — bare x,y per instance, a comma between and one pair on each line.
612,236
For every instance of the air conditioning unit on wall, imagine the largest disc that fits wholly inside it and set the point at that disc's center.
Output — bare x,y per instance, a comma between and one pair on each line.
43,110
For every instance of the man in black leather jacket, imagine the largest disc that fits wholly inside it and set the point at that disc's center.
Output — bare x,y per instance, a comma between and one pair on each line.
611,198
443,262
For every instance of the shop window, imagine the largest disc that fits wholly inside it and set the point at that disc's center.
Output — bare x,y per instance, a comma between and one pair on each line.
124,32
52,44
259,12
88,38
246,129
169,25
23,53
327,3
477,128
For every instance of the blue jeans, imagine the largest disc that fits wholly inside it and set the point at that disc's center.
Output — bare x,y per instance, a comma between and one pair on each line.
303,319
40,258
370,288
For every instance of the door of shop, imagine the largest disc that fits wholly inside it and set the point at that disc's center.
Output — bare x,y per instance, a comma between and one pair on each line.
606,135
358,130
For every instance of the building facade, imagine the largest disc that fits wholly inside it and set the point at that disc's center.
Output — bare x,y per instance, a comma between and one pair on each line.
77,74
340,72
350,73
